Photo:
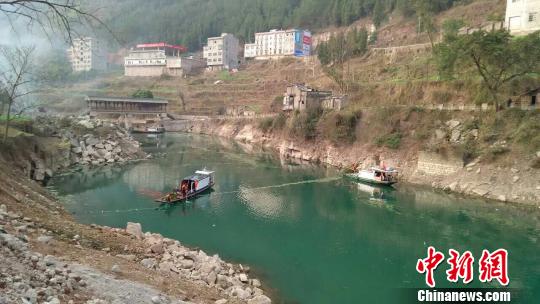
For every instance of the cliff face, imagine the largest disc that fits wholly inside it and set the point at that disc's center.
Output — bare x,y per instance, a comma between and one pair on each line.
516,182
58,144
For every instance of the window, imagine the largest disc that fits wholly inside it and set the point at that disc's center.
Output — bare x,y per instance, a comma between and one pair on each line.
532,17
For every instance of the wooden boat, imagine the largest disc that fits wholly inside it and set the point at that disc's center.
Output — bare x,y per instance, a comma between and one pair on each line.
149,130
190,187
377,176
149,127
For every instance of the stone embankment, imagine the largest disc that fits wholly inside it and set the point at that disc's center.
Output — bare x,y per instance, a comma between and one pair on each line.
92,149
30,277
58,144
518,183
172,259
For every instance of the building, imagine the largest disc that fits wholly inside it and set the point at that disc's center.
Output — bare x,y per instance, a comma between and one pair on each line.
522,16
527,100
276,44
300,97
221,53
157,59
120,106
87,54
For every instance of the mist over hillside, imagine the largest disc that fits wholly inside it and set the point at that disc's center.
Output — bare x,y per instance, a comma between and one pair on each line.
190,22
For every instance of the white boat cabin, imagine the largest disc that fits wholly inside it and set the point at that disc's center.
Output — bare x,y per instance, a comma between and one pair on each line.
199,181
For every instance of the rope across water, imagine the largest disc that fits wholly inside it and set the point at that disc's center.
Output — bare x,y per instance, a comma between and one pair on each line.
321,180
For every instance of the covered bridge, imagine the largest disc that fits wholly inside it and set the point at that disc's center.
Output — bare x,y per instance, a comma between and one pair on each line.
126,106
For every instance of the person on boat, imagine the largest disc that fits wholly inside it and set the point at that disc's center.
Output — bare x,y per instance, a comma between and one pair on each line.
184,189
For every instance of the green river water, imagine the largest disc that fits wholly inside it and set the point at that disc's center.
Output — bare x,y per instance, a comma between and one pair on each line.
310,235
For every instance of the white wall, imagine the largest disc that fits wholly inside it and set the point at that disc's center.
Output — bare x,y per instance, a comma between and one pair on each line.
522,16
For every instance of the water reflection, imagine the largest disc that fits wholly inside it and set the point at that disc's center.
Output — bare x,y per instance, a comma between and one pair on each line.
314,236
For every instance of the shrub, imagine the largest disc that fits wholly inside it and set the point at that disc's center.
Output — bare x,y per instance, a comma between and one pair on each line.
143,94
277,104
279,122
265,124
304,124
341,126
495,152
468,150
392,140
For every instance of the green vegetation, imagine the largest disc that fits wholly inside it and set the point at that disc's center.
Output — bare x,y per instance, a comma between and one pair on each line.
190,22
392,140
340,127
143,94
225,76
265,124
304,124
341,47
496,58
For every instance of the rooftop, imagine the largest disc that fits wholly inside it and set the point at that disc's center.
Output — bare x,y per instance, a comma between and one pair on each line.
126,99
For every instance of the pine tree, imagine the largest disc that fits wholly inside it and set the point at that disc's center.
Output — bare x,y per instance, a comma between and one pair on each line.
378,13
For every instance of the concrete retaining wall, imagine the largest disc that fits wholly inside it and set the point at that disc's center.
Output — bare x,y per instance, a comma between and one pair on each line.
438,165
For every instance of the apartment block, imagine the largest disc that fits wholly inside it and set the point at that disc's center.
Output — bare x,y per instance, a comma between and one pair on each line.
279,43
221,53
87,54
157,59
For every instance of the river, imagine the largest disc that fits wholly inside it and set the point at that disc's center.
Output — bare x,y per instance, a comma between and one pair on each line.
310,235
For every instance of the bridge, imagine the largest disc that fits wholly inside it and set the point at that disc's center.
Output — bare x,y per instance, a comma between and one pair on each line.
126,106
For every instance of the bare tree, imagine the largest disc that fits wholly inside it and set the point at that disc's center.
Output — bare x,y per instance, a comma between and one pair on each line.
16,79
62,15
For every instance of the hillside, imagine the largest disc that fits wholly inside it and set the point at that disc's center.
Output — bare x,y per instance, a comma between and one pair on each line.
190,22
402,76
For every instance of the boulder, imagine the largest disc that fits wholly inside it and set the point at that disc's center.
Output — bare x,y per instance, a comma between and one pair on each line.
129,257
440,134
115,268
260,299
91,141
480,192
243,278
211,278
452,124
149,263
88,124
456,135
166,267
45,239
239,292
134,229
186,264
221,301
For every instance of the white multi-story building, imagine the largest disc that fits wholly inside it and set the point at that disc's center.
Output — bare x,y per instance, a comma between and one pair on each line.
522,16
279,43
157,59
221,53
86,54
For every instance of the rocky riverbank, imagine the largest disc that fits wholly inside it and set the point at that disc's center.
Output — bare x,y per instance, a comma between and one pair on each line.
47,257
56,144
516,182
171,258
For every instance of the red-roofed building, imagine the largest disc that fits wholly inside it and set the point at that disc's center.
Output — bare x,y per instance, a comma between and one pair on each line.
157,59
